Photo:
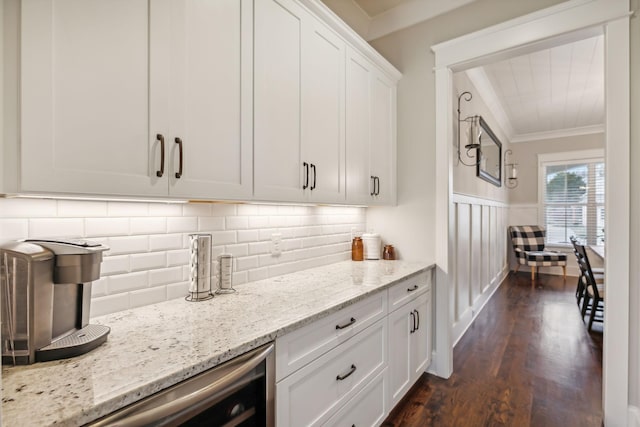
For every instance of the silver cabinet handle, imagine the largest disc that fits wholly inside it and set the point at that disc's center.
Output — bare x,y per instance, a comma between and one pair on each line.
351,322
413,322
348,374
418,319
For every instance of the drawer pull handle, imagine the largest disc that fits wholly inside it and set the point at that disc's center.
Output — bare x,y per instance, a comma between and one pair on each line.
345,376
346,325
415,288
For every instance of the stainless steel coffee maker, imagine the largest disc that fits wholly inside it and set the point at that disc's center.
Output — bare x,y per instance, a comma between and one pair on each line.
46,298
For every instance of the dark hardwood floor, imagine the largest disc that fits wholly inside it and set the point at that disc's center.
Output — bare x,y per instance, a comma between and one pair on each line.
527,360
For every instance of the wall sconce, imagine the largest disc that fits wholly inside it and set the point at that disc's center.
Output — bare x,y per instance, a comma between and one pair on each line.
473,139
510,171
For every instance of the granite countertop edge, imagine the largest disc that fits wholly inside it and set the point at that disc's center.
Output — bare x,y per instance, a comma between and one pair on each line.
142,390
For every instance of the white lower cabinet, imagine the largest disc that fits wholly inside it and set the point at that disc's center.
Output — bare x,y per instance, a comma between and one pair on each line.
353,366
409,345
310,396
367,408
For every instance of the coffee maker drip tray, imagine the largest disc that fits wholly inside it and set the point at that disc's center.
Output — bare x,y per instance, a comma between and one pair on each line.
75,344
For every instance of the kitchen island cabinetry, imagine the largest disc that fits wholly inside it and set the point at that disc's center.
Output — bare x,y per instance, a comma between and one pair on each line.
299,106
136,98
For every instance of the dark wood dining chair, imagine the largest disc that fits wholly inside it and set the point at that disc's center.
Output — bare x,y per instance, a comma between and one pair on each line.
594,289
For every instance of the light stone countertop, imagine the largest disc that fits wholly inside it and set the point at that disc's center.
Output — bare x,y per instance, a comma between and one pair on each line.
153,347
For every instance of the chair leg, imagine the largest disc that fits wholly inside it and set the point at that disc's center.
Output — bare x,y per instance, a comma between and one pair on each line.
517,267
533,273
564,272
585,303
592,315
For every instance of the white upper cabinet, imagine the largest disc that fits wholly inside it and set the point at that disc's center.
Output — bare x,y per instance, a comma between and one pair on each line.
270,100
210,98
85,97
299,106
371,133
108,87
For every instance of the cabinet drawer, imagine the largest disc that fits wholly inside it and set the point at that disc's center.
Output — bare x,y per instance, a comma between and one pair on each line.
408,289
311,395
306,344
367,408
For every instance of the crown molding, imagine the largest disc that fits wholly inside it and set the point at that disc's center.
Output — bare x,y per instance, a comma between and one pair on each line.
560,133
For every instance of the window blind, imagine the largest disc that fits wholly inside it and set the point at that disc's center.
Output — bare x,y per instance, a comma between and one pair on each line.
573,201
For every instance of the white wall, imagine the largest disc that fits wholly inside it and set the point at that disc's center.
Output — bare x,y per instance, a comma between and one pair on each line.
634,300
149,255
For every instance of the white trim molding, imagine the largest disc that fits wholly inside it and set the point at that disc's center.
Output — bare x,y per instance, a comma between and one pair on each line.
634,416
574,18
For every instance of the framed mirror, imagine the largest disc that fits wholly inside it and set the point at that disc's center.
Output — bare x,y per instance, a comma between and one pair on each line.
489,167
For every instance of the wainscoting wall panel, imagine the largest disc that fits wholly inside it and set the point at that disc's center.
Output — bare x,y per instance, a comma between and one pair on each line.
480,263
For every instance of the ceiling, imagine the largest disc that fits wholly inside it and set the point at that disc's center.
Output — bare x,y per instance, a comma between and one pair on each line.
545,94
548,93
376,7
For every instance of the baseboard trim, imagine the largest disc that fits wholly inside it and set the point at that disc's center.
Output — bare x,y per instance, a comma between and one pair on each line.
634,416
466,320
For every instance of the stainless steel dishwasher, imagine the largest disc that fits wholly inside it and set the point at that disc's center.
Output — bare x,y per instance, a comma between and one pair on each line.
239,392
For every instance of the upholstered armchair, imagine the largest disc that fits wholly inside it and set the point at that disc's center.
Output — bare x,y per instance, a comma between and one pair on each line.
528,244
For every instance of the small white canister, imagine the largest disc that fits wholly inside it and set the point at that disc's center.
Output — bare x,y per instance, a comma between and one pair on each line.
372,245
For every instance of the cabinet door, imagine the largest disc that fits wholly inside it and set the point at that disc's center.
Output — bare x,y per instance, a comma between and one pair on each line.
383,138
278,171
211,98
401,324
421,338
323,112
358,122
86,118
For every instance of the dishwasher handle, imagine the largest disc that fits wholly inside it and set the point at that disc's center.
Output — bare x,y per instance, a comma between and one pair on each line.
192,400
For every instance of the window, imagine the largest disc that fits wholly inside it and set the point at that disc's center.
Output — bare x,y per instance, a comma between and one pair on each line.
571,191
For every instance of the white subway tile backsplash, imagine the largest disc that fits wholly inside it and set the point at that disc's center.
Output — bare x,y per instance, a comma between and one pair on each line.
182,225
106,226
237,250
56,227
28,208
248,236
109,304
149,225
247,263
128,209
165,276
237,223
177,290
128,244
259,248
224,209
115,265
258,221
163,242
127,282
224,237
149,256
81,209
148,261
165,209
148,296
13,229
178,257
196,209
211,223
